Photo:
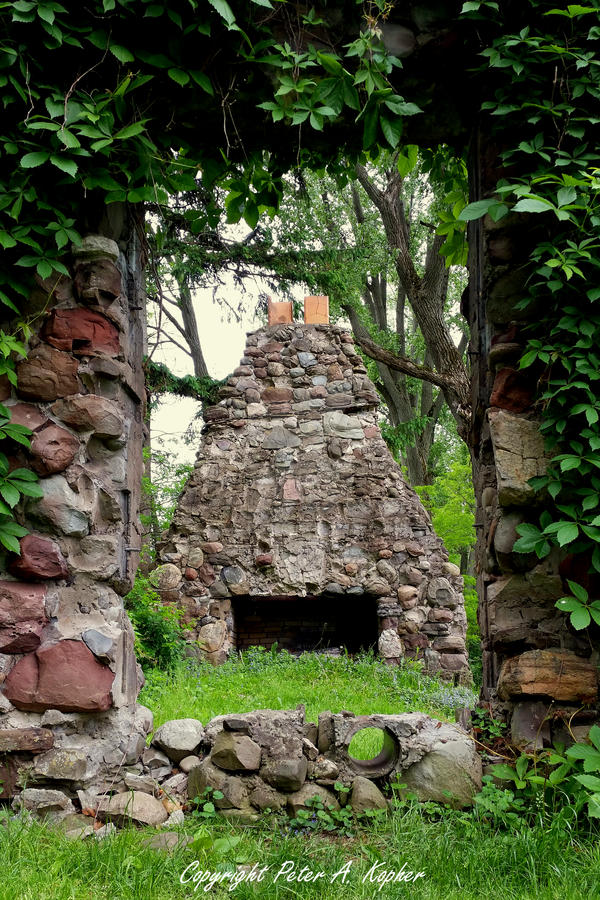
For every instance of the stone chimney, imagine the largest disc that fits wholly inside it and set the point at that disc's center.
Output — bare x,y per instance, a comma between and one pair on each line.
297,526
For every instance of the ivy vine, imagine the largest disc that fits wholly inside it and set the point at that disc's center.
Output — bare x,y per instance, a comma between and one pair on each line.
548,88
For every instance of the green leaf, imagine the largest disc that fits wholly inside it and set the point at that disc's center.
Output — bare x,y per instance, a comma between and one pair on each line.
28,489
521,766
129,131
65,165
179,76
9,493
567,533
592,782
224,10
589,755
580,618
400,108
594,736
371,119
532,205
504,772
24,474
202,81
392,130
67,138
476,210
568,604
330,63
566,195
9,541
122,53
32,160
578,591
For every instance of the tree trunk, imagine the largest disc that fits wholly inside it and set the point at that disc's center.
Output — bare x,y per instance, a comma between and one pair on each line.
190,328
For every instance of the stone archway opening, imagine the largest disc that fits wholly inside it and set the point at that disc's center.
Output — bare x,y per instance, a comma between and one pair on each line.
325,622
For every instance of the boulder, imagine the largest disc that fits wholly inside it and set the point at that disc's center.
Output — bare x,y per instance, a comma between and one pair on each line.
519,455
47,374
285,774
449,773
81,330
265,797
277,395
522,607
97,555
211,637
179,737
28,415
44,803
101,645
366,795
144,783
22,616
279,437
60,507
32,739
90,412
132,806
155,759
53,449
188,763
338,424
166,577
555,673
234,788
40,558
513,390
63,765
390,645
323,769
299,799
96,246
64,676
235,752
98,280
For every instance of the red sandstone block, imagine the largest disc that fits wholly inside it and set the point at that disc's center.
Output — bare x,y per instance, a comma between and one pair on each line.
316,310
279,313
83,331
64,676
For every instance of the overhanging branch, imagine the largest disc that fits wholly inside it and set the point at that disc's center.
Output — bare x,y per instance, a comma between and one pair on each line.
401,363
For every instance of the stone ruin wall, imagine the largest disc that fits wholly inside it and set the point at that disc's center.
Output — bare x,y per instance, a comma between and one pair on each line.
295,494
68,675
538,672
267,762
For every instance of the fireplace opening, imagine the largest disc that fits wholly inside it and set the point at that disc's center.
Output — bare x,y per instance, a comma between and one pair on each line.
303,624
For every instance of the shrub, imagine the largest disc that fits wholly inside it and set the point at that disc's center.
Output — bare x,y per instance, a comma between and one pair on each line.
159,640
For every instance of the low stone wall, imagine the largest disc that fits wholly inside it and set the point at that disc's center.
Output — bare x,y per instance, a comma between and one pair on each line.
273,760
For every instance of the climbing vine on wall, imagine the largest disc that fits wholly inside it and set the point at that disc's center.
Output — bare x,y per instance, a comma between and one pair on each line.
547,93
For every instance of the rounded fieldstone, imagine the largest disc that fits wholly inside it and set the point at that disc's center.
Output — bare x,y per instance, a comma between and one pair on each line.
179,737
166,577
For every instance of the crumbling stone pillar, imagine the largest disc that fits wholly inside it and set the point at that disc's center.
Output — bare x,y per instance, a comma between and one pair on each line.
68,675
535,666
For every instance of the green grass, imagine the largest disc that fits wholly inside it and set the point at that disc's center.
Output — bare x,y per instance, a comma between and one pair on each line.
260,679
462,860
